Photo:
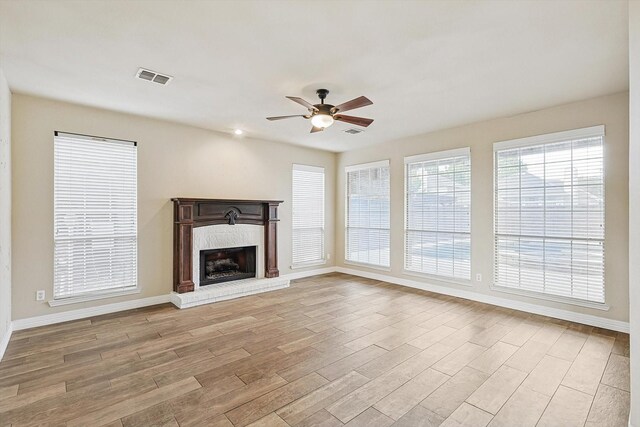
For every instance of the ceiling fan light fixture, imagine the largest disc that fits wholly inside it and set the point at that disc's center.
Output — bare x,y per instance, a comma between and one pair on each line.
322,120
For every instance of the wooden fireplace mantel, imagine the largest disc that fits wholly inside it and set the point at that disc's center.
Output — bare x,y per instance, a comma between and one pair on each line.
189,213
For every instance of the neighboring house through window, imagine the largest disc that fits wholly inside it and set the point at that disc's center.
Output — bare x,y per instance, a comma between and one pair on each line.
549,214
367,214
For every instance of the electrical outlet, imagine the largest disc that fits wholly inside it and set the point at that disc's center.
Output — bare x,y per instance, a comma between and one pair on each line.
478,277
40,295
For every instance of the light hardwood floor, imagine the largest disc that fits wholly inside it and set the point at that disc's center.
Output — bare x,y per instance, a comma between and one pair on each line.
330,350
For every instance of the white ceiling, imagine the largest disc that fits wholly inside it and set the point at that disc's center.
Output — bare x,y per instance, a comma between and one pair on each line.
426,65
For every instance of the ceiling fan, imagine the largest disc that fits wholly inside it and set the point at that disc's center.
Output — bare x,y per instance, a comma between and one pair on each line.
323,115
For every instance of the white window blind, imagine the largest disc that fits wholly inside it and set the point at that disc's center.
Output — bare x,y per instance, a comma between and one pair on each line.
437,214
549,214
308,215
367,230
95,215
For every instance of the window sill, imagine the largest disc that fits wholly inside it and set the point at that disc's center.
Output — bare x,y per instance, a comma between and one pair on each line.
92,297
365,265
308,264
555,298
445,279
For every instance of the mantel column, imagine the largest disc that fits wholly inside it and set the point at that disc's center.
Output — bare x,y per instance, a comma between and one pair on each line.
271,239
183,248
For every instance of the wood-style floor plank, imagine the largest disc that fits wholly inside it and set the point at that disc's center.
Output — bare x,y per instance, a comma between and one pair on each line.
332,350
130,406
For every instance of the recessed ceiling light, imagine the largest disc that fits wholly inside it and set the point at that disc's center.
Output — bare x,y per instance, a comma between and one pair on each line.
238,131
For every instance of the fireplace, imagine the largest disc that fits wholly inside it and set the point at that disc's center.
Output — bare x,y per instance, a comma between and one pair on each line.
227,264
201,224
216,242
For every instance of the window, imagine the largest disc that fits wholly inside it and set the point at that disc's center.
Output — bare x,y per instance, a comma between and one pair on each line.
95,211
308,215
438,208
367,231
549,214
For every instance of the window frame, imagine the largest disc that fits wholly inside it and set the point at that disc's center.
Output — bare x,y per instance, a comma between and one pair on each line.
347,170
98,293
323,260
555,137
437,155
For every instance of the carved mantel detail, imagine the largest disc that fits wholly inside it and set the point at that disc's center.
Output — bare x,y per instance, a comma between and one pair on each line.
233,215
190,213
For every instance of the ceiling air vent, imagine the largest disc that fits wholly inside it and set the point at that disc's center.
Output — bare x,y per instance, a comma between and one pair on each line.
353,131
152,76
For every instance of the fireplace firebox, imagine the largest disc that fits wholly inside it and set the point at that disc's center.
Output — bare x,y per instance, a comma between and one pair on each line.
227,264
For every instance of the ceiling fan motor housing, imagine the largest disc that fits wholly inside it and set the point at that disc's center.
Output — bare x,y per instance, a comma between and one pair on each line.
322,94
323,109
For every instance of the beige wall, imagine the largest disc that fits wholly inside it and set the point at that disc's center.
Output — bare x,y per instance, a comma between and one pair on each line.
173,161
611,111
212,160
5,207
634,207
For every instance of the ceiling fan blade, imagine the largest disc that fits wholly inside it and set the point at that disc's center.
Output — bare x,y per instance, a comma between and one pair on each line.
360,121
362,101
316,129
283,117
302,102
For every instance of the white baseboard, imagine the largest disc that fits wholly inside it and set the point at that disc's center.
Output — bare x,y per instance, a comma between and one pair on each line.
587,319
83,313
571,316
5,340
309,273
